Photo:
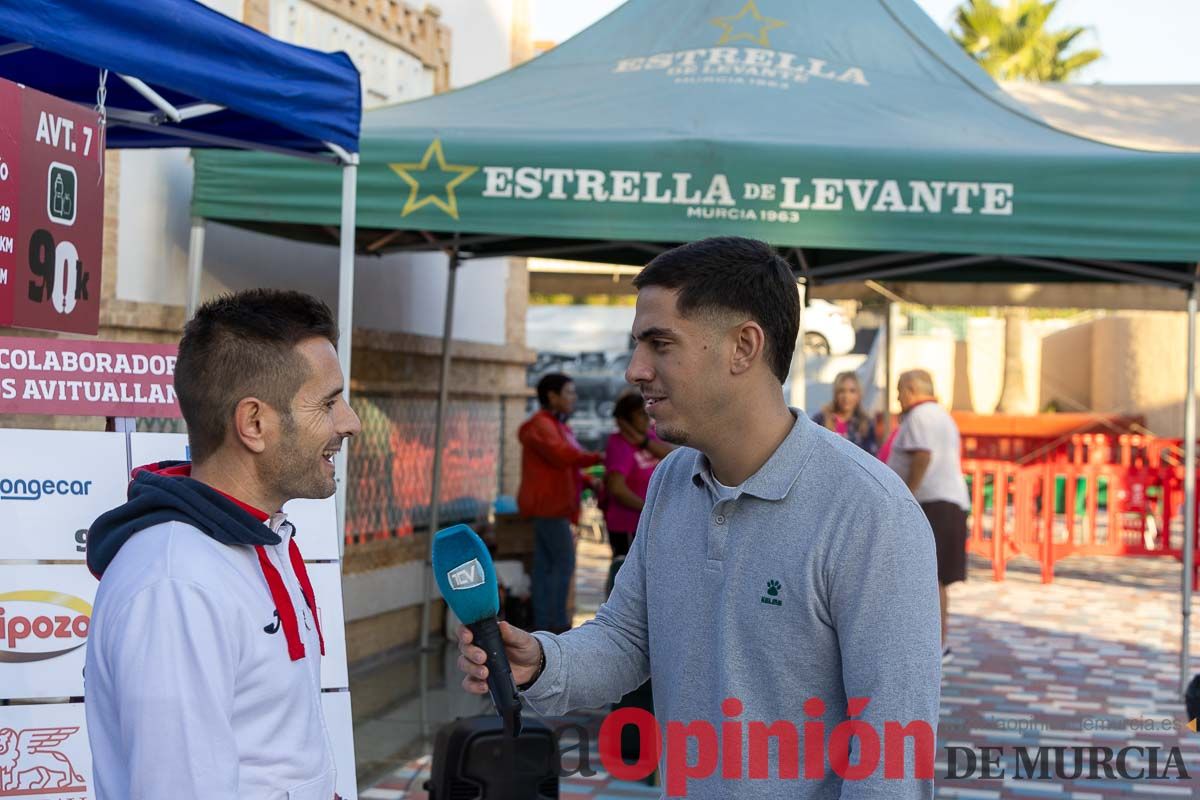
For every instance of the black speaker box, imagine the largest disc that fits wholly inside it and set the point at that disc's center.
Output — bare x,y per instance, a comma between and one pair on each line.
473,759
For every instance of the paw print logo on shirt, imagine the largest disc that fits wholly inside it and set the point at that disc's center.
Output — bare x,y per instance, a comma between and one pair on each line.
771,598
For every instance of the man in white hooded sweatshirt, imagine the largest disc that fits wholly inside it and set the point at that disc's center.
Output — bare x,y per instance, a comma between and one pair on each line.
203,666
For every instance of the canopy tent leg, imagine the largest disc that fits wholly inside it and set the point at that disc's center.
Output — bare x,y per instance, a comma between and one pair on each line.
438,434
889,331
195,265
345,316
1189,493
798,396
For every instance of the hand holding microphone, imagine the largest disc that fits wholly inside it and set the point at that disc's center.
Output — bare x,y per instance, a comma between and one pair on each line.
524,657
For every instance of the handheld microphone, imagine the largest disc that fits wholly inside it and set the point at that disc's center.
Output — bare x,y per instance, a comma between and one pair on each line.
467,580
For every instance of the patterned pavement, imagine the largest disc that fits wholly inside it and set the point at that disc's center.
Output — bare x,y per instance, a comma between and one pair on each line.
1090,660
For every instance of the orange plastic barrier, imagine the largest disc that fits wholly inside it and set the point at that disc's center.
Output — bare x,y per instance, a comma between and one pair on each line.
1101,494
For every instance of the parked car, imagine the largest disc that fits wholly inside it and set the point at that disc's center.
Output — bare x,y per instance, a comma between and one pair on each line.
827,330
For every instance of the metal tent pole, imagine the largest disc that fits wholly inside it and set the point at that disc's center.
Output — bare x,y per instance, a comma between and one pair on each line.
798,397
345,318
889,331
195,265
1189,492
438,435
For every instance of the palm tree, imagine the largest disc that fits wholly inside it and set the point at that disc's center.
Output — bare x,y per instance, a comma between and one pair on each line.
1013,43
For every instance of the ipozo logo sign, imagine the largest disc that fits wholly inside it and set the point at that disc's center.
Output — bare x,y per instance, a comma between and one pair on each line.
39,624
466,576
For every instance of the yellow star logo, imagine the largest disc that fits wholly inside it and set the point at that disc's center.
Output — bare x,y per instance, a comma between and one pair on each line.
449,203
757,23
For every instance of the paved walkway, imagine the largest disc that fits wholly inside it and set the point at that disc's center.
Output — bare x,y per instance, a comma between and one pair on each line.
1091,659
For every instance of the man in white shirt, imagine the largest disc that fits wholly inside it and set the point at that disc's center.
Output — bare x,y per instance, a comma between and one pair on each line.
927,455
203,673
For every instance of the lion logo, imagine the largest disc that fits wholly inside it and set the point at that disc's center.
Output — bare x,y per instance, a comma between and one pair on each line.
29,760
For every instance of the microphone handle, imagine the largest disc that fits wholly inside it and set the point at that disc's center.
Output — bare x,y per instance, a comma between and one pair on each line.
486,635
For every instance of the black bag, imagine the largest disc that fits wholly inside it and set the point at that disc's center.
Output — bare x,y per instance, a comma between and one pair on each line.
473,759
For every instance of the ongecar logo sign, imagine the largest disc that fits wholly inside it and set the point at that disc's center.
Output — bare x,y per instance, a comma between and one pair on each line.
34,488
40,624
53,485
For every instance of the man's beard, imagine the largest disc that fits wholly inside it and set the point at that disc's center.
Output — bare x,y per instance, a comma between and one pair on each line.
672,435
292,472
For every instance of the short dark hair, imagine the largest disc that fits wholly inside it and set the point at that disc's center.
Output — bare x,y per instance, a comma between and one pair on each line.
730,273
628,404
243,345
551,383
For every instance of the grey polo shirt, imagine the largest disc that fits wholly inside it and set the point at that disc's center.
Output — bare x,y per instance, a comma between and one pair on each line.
817,580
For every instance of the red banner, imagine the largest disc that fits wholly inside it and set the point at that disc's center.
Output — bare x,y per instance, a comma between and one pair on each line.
87,378
51,212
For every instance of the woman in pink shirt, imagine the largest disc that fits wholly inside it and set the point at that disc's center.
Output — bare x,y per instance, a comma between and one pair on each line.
630,457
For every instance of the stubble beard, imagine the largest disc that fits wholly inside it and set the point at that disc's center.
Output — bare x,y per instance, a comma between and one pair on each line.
672,435
291,470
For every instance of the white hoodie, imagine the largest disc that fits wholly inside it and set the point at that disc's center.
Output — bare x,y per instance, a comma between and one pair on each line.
190,690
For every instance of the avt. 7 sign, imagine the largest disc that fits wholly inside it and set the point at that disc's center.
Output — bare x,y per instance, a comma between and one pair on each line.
51,211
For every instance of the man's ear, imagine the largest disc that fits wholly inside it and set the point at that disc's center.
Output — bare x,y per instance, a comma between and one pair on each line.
748,347
251,418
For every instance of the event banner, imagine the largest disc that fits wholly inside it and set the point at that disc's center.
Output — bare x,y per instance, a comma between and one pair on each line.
315,520
327,587
53,485
87,378
45,611
44,751
51,211
339,721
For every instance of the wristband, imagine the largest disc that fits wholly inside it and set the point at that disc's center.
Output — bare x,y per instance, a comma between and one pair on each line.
541,668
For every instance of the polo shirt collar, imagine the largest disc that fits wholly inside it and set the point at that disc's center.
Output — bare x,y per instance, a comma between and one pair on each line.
775,478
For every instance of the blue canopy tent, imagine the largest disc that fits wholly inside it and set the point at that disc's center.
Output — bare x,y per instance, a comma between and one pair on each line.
187,76
175,73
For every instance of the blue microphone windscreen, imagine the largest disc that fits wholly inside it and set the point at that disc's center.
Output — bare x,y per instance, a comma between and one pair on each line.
465,574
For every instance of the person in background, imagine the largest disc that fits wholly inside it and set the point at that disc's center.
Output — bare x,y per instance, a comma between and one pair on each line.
551,460
630,457
927,455
845,415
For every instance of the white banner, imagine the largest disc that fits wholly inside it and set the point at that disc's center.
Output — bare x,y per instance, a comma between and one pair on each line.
327,587
340,723
44,752
315,520
45,747
45,613
53,485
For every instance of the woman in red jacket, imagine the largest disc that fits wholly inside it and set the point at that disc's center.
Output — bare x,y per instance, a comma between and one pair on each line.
551,460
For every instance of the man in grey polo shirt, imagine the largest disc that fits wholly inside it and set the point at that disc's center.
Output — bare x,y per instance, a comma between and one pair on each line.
775,564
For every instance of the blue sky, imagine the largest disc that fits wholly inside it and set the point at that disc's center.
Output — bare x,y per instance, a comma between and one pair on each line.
1144,41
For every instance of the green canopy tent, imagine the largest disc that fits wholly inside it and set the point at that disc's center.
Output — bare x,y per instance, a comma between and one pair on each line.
852,134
